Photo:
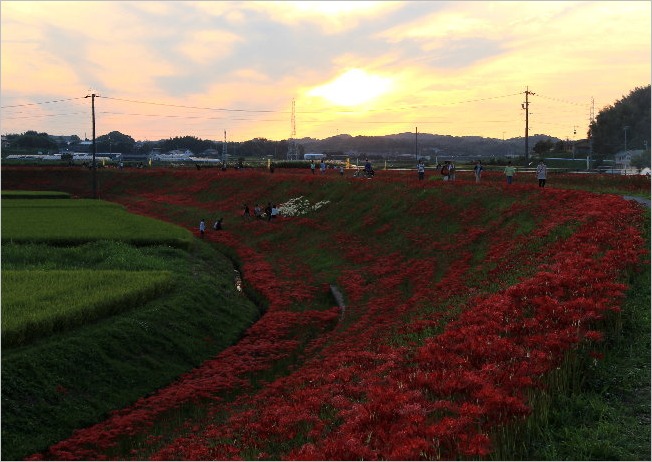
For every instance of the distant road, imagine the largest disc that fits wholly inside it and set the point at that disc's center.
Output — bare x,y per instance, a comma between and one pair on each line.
640,200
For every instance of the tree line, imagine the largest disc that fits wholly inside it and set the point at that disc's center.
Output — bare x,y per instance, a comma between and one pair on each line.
117,142
623,125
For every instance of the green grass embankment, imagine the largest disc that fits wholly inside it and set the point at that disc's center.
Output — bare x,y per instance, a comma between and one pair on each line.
119,338
37,303
608,416
60,222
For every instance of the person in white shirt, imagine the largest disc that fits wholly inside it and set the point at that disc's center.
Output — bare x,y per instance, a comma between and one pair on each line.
421,170
542,173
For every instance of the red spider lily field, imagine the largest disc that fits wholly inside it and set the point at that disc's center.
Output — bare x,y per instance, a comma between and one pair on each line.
404,319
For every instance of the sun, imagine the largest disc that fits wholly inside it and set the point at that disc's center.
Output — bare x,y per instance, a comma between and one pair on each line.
352,88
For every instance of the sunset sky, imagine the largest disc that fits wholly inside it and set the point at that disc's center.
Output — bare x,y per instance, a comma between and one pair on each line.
165,69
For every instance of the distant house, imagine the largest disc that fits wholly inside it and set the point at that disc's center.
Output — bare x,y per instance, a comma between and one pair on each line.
314,156
623,159
83,146
582,148
623,162
5,142
64,140
211,153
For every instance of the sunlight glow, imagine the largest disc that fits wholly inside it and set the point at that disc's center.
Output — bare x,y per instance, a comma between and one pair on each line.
352,88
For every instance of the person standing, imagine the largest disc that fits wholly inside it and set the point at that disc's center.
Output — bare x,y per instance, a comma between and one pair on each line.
312,166
322,167
451,171
542,174
477,170
202,227
445,170
509,172
368,169
421,170
246,214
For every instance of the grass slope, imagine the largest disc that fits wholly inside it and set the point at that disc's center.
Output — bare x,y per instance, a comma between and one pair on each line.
73,378
36,304
378,220
608,416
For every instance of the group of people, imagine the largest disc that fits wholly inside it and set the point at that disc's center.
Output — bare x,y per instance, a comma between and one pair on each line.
448,171
541,173
217,226
323,167
269,212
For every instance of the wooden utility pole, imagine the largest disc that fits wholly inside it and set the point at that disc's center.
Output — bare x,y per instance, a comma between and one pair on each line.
526,106
93,149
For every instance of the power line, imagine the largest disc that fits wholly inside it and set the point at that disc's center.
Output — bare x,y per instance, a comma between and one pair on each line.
480,99
561,100
153,103
190,107
44,115
177,116
42,102
394,109
414,106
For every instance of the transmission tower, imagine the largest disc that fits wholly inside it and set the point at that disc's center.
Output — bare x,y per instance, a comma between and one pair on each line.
292,144
225,154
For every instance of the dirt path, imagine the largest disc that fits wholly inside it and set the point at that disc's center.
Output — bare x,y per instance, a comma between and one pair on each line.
640,200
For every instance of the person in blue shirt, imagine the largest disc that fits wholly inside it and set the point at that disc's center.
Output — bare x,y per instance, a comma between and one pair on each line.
368,168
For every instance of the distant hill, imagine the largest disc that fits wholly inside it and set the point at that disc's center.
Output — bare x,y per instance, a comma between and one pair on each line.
428,145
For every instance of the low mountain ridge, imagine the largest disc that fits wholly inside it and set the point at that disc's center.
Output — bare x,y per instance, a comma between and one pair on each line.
427,145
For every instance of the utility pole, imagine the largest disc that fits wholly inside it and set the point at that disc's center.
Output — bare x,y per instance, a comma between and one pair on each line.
224,151
416,144
94,168
526,106
591,117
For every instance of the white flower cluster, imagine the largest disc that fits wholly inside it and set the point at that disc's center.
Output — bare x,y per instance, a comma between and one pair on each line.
299,206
